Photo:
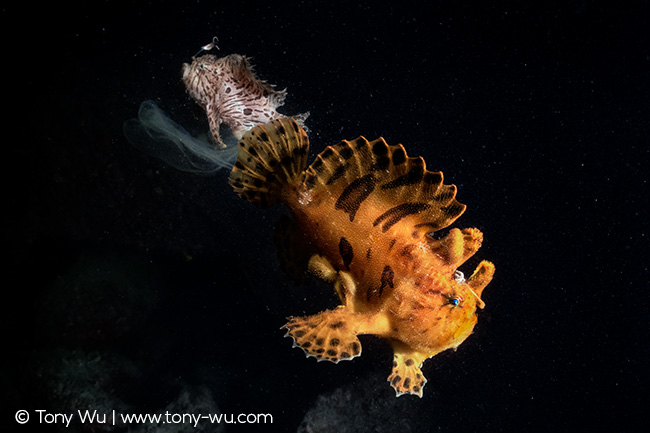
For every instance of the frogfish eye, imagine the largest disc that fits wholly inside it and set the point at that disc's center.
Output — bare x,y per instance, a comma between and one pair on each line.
454,301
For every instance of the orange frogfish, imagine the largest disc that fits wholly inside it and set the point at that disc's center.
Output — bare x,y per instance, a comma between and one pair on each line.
364,212
230,93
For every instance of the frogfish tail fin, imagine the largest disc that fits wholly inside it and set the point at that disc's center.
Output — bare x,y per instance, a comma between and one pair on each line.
271,162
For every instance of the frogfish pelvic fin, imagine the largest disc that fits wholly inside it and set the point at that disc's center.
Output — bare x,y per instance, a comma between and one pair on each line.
368,210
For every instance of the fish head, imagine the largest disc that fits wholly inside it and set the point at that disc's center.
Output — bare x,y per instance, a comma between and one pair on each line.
202,78
438,311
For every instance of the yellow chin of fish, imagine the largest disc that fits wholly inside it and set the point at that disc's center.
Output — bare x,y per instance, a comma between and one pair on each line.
433,337
463,331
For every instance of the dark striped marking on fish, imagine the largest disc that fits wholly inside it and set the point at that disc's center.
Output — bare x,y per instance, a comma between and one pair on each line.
347,254
340,171
380,151
433,177
300,151
317,165
359,143
407,251
387,276
395,214
399,156
355,194
379,147
346,151
327,153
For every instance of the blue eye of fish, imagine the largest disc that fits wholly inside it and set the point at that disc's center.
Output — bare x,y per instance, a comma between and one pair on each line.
454,301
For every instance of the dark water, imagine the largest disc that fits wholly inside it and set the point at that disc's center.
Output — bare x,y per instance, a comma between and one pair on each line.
136,287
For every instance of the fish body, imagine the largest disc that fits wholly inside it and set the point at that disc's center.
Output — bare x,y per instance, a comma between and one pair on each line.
366,211
230,93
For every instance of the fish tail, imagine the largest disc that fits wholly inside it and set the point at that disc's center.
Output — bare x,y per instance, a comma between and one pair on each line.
271,162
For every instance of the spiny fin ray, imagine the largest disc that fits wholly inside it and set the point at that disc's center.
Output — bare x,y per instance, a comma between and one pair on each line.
399,187
271,162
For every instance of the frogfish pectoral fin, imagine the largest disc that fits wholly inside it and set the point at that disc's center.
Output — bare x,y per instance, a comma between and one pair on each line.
330,335
406,377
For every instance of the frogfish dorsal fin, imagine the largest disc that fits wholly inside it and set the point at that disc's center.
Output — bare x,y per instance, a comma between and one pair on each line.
405,195
271,162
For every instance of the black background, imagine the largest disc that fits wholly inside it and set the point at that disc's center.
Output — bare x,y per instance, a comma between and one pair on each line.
540,114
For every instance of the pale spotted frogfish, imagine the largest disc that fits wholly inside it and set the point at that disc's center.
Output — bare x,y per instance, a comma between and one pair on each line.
231,94
364,212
